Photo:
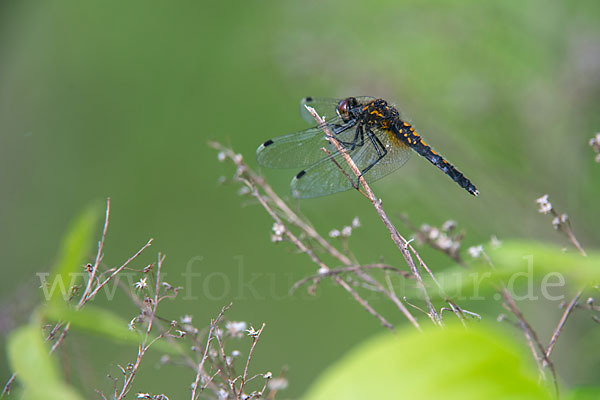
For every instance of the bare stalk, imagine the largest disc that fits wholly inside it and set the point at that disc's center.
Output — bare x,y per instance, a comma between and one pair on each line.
322,266
561,323
200,368
131,370
92,273
115,272
244,376
270,200
400,241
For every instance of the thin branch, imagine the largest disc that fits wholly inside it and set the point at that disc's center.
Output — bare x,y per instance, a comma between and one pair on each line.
297,242
228,369
561,222
423,235
390,295
253,182
342,270
561,324
455,309
292,217
531,336
400,242
62,337
575,242
210,380
213,325
322,266
131,371
254,341
6,389
92,274
115,272
367,307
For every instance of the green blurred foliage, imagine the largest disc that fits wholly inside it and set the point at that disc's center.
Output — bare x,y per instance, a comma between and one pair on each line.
453,363
74,250
522,263
584,393
35,368
119,99
103,322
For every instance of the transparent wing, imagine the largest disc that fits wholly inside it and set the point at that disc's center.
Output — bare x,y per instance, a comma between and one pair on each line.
326,107
333,175
301,149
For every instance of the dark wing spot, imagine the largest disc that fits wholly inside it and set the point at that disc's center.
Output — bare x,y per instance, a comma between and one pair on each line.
268,143
300,174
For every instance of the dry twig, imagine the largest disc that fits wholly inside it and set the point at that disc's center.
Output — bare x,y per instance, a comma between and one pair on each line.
278,210
400,241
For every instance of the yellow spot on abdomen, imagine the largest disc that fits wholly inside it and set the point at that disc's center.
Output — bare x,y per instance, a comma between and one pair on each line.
395,140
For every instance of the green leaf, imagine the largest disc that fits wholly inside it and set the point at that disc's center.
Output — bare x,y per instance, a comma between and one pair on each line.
103,322
522,262
35,368
584,393
75,247
545,258
453,363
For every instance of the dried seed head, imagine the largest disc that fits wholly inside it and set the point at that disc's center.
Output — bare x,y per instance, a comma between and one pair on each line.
278,384
235,329
495,242
545,205
141,284
346,231
449,226
475,251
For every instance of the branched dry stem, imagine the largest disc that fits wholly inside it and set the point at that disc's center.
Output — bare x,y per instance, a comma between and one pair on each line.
561,323
269,200
147,342
116,272
285,218
94,270
244,377
343,270
200,367
400,241
532,338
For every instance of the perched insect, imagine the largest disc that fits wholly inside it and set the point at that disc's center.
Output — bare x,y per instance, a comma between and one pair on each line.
371,132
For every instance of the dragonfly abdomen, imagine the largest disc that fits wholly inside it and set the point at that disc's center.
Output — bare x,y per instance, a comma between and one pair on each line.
406,133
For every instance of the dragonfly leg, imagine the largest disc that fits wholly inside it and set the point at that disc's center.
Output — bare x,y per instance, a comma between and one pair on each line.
379,148
352,145
337,129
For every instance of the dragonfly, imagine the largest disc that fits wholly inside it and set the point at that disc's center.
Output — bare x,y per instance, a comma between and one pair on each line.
370,131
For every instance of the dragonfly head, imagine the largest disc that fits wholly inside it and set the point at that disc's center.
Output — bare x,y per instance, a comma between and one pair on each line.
345,108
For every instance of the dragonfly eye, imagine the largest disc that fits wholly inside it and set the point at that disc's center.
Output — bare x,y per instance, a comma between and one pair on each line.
343,110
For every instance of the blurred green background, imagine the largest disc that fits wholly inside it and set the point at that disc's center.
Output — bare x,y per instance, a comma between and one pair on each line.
119,99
